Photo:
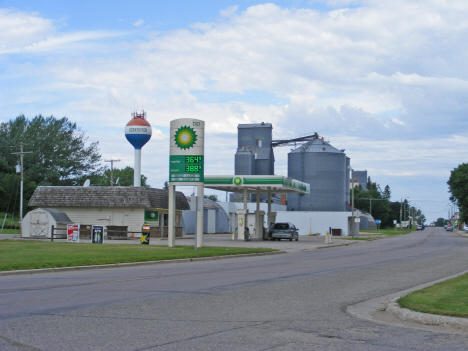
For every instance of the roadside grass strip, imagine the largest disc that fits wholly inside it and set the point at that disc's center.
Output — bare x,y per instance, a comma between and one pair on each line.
372,234
10,231
448,298
19,255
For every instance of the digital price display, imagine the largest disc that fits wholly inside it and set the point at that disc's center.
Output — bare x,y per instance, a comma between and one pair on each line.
186,169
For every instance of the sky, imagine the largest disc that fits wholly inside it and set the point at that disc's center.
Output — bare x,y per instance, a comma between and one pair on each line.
385,80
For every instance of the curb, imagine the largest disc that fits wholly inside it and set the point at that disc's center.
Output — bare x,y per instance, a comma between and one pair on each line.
366,309
425,318
336,245
129,264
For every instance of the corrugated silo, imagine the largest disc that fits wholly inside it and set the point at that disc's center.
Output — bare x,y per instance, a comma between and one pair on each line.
254,154
325,168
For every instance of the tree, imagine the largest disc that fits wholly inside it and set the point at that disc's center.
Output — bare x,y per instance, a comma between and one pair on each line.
458,188
440,222
124,177
387,193
370,185
212,197
380,205
60,154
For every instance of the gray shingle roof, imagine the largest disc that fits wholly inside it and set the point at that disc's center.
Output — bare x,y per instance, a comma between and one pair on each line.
59,216
95,196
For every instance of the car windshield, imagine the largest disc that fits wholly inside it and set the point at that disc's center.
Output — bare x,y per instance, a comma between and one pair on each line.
281,226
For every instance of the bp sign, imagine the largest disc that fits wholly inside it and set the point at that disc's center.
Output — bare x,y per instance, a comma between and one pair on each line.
186,159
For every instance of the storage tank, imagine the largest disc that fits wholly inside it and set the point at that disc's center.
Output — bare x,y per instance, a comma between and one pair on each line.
325,168
138,132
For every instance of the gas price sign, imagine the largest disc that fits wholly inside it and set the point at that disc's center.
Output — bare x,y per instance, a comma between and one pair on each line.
186,168
186,160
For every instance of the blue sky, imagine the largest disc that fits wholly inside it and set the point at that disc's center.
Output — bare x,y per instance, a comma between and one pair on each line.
387,81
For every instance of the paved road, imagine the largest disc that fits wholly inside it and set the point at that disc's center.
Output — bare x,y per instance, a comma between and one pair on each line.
293,301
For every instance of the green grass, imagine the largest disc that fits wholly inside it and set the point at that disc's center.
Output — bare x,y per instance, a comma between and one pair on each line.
371,234
387,231
9,222
19,254
9,231
449,298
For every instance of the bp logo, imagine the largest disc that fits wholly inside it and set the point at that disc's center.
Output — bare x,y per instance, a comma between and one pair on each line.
185,137
237,181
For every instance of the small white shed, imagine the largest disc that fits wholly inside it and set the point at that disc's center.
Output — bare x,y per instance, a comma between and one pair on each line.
38,223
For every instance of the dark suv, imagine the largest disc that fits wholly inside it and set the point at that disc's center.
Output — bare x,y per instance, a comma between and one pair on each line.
284,230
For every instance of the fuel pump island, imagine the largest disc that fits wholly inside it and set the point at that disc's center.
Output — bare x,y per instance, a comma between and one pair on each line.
250,225
186,167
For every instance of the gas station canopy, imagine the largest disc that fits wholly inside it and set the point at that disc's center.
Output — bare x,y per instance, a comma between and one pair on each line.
256,183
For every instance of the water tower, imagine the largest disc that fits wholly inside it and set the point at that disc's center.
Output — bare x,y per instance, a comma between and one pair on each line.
138,133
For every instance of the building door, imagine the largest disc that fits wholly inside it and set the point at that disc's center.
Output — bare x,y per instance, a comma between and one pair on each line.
39,224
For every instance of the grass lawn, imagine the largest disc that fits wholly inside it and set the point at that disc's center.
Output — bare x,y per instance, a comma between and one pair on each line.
387,231
10,231
19,254
371,234
449,298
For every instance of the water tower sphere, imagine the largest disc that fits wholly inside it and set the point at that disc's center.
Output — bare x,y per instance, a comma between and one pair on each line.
138,132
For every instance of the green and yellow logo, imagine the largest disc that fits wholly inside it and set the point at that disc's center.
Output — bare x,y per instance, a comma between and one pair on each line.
237,181
185,137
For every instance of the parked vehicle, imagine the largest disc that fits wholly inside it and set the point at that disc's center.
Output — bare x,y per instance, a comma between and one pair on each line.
284,230
419,227
449,228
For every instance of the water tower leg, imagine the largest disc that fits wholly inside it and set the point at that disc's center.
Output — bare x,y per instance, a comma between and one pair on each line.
200,212
171,217
137,169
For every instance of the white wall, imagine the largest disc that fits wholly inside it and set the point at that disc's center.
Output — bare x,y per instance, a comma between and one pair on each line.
306,222
232,207
132,217
316,222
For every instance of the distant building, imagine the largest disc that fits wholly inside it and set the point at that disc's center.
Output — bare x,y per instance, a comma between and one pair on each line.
120,209
254,154
359,177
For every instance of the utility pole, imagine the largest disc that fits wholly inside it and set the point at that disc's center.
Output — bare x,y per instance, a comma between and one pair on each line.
21,153
112,169
401,209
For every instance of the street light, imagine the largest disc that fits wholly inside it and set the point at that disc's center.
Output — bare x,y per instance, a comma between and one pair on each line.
353,224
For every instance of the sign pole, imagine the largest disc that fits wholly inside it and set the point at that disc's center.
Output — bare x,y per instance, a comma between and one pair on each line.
200,190
171,217
186,167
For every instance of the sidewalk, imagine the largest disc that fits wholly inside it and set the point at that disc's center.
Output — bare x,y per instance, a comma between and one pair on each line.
305,243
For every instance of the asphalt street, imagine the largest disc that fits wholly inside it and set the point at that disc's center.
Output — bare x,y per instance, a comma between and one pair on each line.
292,301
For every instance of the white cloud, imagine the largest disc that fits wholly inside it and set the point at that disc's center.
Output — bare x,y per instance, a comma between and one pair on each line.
21,29
139,23
379,74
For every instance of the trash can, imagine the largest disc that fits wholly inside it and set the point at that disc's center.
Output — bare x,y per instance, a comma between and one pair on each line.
145,233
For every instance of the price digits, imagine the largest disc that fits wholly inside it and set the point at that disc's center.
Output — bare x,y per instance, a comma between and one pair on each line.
193,159
193,168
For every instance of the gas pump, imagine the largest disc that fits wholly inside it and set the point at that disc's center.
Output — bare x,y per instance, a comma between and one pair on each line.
272,221
259,217
242,227
145,233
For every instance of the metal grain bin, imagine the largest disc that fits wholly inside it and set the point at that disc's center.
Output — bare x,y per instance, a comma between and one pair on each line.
325,168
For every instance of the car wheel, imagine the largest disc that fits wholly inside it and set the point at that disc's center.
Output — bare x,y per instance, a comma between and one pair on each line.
290,239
